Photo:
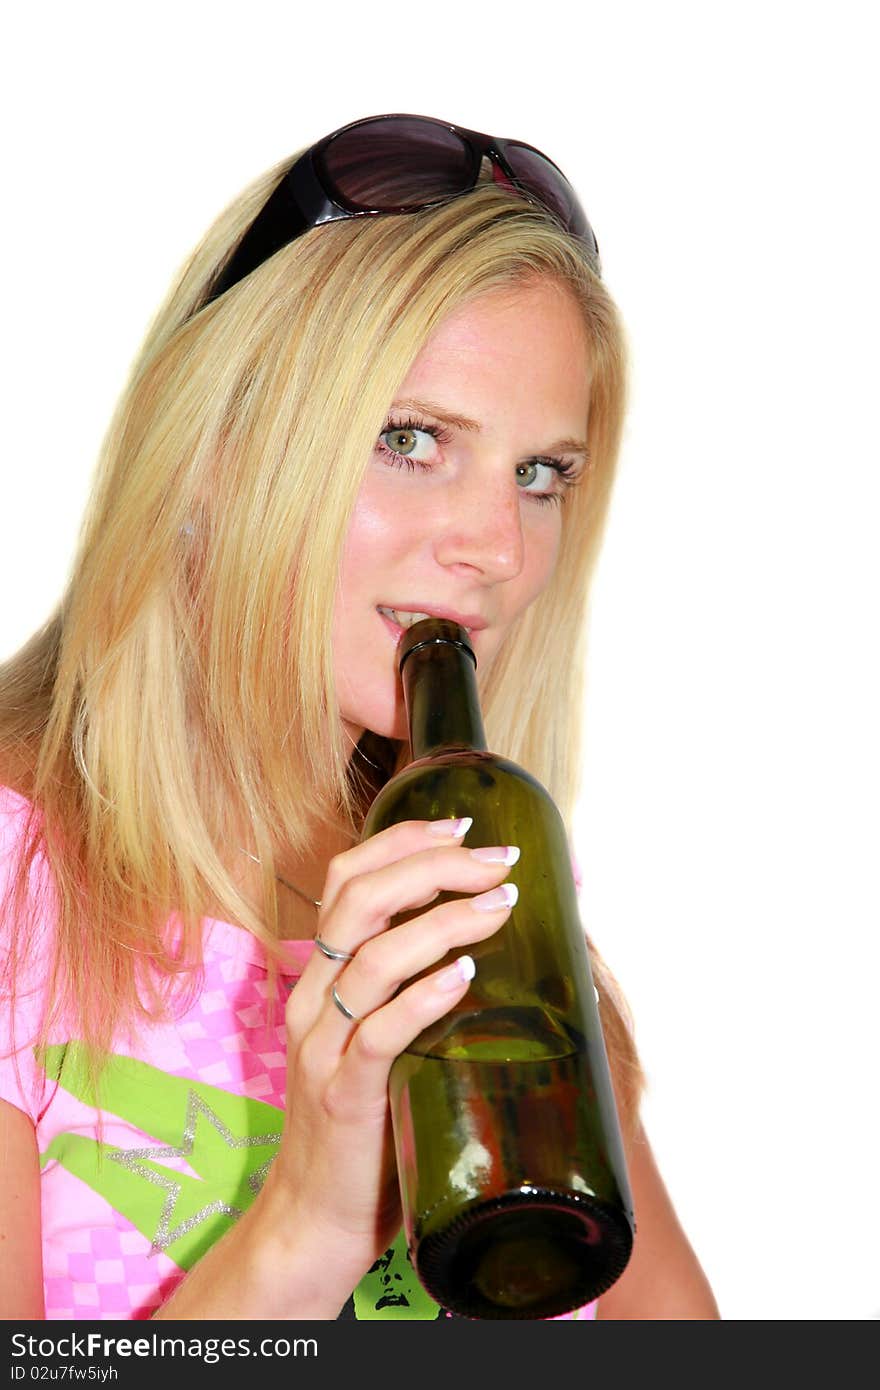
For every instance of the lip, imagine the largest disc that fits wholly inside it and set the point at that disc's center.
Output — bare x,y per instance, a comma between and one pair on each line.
472,621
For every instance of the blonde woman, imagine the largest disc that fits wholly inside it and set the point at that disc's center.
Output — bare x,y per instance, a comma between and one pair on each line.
390,380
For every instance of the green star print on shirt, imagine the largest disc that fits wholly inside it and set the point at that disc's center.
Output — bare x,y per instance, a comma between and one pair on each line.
228,1140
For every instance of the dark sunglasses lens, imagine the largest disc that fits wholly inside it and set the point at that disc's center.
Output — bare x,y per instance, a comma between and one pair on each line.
398,163
544,181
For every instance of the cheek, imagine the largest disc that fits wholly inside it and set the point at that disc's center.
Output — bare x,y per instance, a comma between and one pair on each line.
375,533
542,553
542,549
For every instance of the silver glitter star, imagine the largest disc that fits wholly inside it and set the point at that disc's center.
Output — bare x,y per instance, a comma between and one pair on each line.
129,1158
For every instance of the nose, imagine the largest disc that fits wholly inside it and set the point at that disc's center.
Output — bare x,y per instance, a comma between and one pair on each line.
481,530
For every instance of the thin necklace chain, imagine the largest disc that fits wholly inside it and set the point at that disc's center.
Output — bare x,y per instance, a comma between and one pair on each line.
306,897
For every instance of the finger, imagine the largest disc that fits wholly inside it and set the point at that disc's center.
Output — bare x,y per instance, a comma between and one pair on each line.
386,963
367,903
387,847
361,1080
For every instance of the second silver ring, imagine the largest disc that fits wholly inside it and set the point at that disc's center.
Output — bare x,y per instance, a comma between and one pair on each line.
331,952
343,1008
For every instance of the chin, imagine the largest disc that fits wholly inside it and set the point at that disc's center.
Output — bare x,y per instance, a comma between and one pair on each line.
395,727
385,718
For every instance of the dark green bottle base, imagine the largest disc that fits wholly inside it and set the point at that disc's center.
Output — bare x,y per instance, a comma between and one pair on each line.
534,1254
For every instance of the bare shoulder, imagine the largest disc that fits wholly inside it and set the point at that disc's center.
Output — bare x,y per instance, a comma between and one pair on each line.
664,1279
21,1265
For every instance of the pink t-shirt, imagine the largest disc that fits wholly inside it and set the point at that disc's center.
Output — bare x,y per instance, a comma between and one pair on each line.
191,1117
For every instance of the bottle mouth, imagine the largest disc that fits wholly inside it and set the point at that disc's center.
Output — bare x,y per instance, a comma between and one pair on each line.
428,632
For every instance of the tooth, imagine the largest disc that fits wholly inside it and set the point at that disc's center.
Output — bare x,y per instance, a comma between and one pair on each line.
404,619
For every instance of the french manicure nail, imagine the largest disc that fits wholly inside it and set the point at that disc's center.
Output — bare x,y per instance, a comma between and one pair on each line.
496,854
451,829
504,896
455,975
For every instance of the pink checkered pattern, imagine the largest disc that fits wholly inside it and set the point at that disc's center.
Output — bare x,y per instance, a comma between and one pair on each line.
96,1264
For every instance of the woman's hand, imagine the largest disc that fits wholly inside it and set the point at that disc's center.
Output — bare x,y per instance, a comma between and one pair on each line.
335,1170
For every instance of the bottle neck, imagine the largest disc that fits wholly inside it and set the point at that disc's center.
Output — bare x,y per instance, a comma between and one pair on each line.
442,703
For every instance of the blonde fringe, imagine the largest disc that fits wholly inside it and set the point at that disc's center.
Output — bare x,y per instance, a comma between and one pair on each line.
179,702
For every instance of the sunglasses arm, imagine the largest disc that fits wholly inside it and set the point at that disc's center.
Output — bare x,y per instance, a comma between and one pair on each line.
296,205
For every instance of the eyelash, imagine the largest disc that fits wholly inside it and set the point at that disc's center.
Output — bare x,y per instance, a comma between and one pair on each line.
565,470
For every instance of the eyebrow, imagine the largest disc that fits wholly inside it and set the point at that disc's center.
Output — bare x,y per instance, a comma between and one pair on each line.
461,422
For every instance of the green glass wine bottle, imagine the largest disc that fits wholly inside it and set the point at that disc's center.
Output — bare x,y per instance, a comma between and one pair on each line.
515,1195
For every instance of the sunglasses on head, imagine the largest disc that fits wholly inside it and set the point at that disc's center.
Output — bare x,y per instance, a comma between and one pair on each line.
398,164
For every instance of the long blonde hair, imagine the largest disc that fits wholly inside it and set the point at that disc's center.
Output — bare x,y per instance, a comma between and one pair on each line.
183,693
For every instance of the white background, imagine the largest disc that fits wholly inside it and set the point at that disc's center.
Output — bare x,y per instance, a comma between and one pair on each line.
727,155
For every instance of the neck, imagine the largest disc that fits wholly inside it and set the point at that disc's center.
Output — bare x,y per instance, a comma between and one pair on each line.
285,887
300,876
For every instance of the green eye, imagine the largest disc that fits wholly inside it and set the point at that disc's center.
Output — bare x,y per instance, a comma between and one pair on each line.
401,441
526,474
409,443
552,476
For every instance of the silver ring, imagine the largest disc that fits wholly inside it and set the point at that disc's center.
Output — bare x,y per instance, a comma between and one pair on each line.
346,1012
330,952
